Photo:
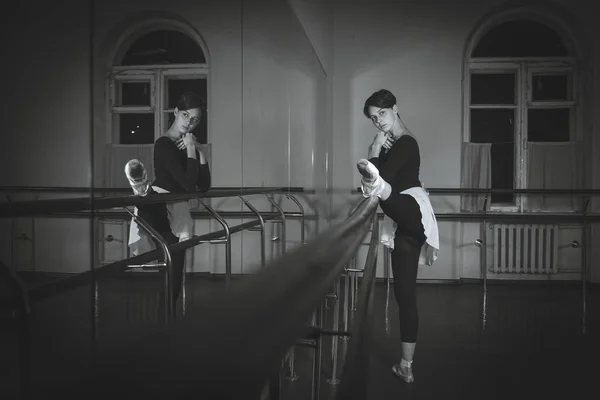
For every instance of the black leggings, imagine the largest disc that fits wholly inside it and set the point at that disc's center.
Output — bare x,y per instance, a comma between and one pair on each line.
156,216
409,238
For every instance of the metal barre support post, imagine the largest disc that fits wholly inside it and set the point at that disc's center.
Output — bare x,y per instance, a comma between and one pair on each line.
354,284
355,374
22,313
386,266
11,240
291,355
483,260
283,224
584,247
334,340
169,302
316,378
302,226
262,230
347,284
227,242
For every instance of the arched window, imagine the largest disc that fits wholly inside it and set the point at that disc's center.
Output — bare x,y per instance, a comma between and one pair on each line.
520,96
520,38
151,70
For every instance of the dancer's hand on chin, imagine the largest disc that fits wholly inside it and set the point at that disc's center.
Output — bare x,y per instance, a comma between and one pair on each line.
380,139
186,140
389,142
189,140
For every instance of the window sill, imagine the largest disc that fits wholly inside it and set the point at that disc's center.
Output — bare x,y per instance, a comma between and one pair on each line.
504,209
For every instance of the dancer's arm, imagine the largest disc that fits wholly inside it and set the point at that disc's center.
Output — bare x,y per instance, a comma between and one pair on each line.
397,156
379,142
167,155
204,179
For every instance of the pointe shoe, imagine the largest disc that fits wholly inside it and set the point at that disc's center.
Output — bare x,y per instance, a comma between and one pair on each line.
371,182
404,373
137,177
367,170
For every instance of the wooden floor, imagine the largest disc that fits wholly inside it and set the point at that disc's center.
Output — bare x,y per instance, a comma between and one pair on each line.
532,344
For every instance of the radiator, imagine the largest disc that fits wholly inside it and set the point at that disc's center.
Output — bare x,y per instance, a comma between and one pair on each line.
524,248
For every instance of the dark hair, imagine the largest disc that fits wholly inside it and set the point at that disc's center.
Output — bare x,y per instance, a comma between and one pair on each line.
190,100
381,99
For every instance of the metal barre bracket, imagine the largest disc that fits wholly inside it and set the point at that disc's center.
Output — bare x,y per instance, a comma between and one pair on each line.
354,270
227,242
282,221
260,229
302,219
214,241
158,265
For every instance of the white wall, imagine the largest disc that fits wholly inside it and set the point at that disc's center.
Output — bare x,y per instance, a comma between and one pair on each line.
317,20
46,113
280,118
50,60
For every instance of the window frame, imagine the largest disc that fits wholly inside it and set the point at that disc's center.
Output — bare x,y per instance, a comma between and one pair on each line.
198,72
157,75
524,68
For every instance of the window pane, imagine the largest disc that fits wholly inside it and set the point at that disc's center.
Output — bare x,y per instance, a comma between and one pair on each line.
134,128
164,47
503,171
549,125
497,127
492,126
175,87
134,93
551,88
492,88
521,38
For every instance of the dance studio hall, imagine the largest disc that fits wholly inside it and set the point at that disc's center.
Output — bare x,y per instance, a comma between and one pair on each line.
300,200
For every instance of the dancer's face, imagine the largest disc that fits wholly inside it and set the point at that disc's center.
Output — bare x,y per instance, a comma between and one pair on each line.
383,118
187,120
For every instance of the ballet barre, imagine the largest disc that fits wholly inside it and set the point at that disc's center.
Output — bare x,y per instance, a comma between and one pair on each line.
83,208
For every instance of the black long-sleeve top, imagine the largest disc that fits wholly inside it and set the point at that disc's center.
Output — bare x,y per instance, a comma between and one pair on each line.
175,172
399,166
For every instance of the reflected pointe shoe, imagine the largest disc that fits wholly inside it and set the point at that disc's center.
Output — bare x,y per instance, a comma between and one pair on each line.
372,184
404,371
137,177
